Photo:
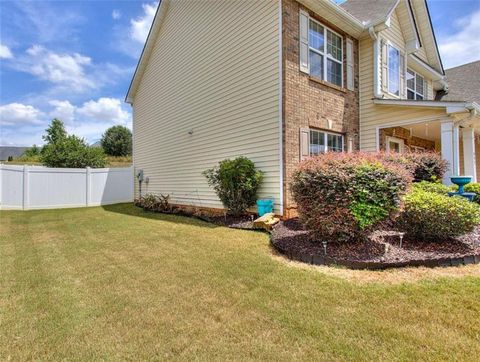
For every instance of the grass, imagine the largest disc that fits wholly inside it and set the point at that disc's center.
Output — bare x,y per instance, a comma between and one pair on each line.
117,283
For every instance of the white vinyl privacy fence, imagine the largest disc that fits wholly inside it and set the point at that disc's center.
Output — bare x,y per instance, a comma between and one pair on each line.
33,187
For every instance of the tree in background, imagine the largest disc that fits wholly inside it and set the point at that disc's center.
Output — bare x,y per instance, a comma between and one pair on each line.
70,151
117,141
32,152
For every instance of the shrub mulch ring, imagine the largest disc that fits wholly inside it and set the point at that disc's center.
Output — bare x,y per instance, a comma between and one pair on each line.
380,252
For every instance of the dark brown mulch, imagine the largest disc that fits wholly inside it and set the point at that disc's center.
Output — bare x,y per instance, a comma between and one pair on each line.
236,222
382,247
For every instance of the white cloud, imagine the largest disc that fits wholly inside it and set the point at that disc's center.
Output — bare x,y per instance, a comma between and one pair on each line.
19,114
68,70
63,110
105,109
464,45
116,14
5,52
140,26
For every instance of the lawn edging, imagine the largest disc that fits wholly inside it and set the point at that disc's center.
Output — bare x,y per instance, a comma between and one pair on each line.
373,265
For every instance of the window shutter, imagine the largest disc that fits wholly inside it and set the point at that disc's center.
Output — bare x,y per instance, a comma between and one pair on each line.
304,143
350,61
403,70
304,20
384,62
426,96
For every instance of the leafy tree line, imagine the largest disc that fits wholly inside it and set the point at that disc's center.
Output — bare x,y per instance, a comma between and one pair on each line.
70,151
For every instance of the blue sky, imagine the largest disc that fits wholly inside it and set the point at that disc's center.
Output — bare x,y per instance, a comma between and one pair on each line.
74,60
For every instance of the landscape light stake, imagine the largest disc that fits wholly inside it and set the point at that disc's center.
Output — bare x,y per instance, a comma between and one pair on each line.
324,243
401,238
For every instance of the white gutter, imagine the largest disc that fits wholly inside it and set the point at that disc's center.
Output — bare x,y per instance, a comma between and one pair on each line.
377,92
434,74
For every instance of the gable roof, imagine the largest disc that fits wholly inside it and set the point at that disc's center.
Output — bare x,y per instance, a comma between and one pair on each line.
464,83
370,11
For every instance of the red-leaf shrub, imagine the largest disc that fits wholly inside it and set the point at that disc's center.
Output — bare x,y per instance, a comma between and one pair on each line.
341,196
424,166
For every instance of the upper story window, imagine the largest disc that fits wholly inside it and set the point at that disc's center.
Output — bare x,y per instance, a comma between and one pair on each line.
325,53
415,85
321,142
393,70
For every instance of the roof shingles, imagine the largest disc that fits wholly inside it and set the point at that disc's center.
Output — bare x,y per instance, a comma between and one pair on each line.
463,83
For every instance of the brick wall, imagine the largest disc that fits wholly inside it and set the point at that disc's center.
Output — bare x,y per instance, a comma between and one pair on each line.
403,133
311,103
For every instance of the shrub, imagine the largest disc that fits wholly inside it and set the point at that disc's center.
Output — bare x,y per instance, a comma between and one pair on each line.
72,152
434,187
340,196
63,150
475,187
236,183
117,141
424,166
153,202
432,216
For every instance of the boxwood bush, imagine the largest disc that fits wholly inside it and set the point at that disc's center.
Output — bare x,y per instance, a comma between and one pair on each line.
340,196
236,183
432,216
435,187
475,187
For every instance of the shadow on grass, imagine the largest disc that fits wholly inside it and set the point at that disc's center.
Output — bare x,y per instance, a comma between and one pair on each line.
132,210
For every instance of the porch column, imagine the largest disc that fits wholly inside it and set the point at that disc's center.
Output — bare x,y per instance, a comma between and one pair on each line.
450,143
469,156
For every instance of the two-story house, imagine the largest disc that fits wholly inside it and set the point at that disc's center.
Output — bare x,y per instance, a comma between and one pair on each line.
281,80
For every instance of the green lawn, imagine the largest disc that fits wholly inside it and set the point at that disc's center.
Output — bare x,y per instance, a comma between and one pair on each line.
117,283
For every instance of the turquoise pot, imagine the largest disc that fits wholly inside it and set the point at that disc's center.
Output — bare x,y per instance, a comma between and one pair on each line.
264,206
461,181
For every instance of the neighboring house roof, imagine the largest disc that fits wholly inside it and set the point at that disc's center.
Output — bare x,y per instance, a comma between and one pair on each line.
370,11
464,83
7,151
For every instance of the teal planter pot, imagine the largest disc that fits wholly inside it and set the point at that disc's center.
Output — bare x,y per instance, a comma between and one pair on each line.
264,206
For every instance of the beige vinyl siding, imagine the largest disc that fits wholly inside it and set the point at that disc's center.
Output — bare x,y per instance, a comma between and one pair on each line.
373,116
214,71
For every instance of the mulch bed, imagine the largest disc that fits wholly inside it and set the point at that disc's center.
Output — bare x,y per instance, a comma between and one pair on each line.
381,251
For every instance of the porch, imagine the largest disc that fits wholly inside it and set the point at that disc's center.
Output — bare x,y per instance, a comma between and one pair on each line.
459,143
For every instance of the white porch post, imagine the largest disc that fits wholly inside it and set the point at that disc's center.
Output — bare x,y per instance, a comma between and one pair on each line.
469,156
450,143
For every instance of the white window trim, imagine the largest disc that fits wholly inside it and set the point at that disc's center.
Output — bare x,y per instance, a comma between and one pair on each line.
325,140
390,44
415,85
323,54
399,141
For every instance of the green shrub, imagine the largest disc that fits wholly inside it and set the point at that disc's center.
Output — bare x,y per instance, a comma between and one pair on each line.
70,151
341,196
433,216
475,187
236,183
434,187
153,202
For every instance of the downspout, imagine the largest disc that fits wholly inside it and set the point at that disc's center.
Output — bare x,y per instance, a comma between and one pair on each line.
376,50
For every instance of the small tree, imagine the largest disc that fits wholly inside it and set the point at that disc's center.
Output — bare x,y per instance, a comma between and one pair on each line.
117,141
236,183
33,151
55,132
70,151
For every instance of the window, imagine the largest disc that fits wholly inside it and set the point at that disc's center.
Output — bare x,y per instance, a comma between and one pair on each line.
325,53
393,70
415,85
321,142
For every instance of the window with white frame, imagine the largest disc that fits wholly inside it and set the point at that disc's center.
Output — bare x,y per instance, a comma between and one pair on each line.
325,53
321,142
415,85
393,70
